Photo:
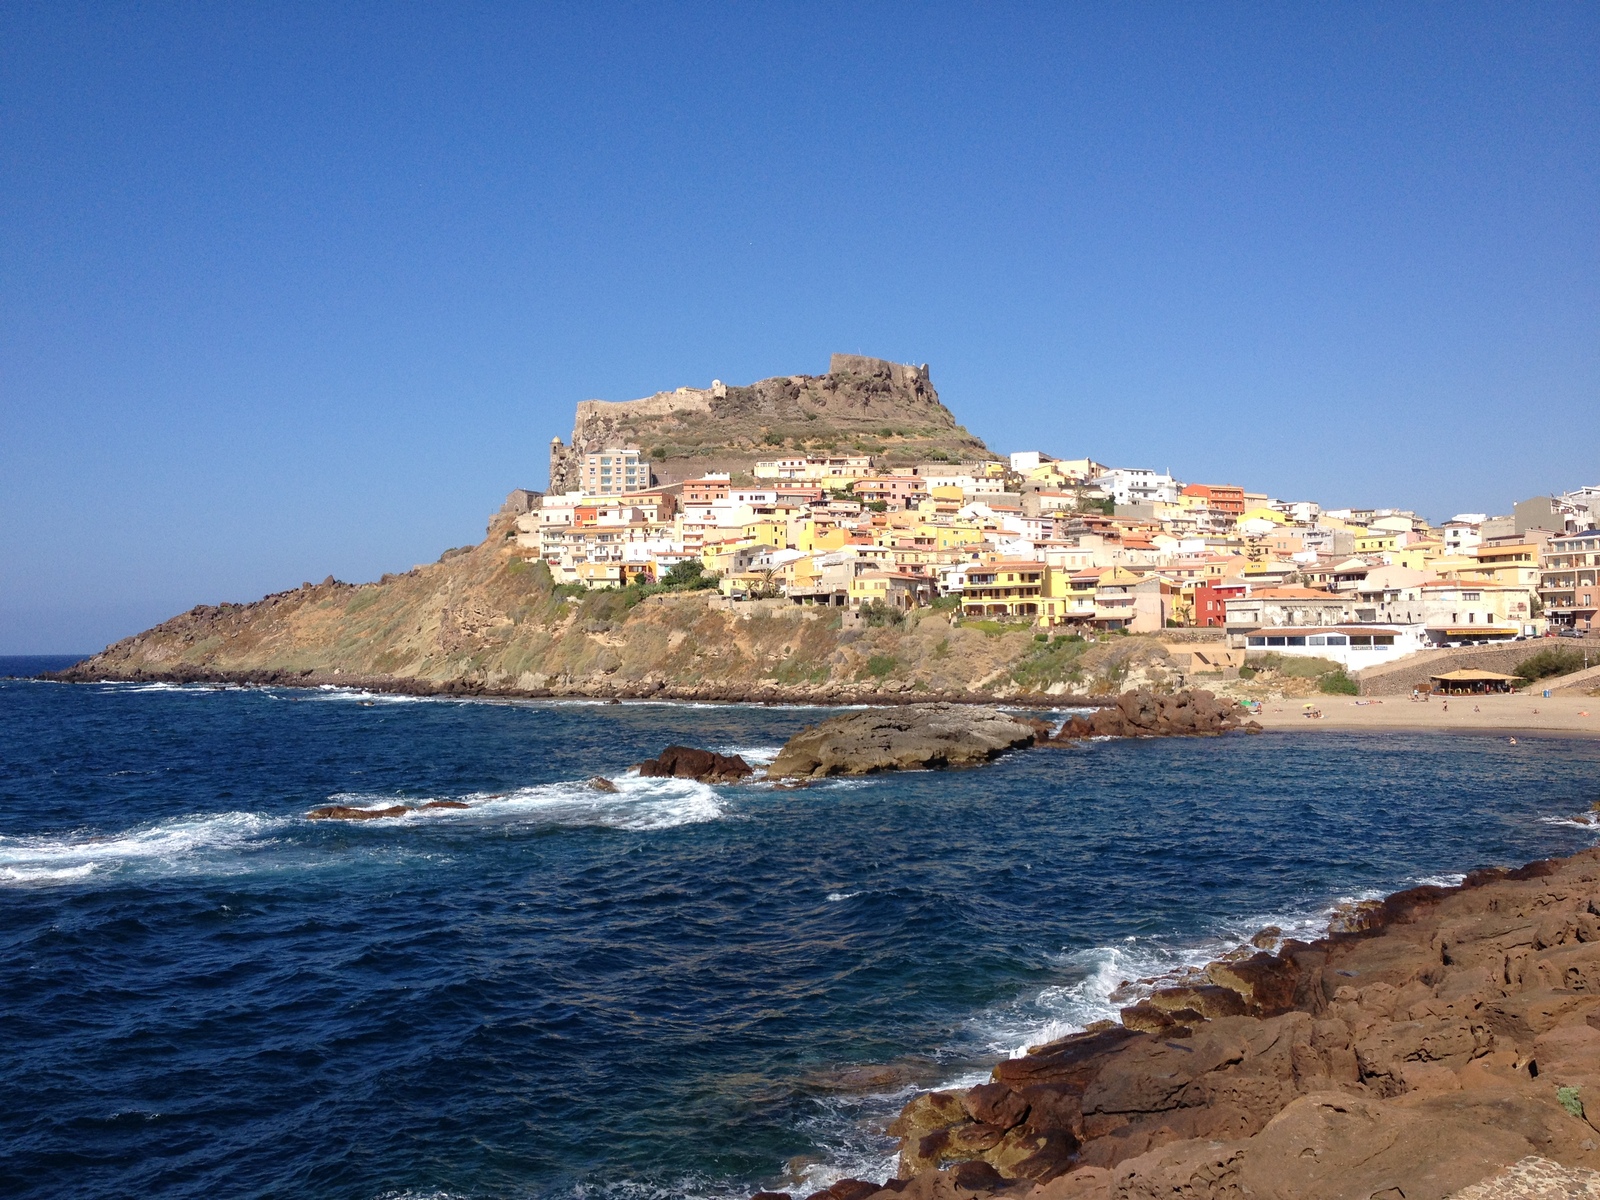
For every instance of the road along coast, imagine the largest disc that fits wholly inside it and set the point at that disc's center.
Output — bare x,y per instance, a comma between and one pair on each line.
1443,1042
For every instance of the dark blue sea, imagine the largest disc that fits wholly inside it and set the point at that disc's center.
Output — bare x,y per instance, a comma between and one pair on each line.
676,990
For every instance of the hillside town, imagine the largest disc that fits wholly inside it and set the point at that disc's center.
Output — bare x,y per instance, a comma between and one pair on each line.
1064,544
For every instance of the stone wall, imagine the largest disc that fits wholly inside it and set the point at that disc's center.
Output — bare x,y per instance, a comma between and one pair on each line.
1398,678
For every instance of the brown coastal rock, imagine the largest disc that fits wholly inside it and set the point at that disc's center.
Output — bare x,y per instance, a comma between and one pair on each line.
346,812
1445,1037
685,762
909,738
1144,713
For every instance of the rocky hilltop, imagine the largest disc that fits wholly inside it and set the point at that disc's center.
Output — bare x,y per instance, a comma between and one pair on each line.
861,406
1444,1042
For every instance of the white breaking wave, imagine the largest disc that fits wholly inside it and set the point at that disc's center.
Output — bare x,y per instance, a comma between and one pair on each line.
184,843
835,897
637,804
756,756
332,691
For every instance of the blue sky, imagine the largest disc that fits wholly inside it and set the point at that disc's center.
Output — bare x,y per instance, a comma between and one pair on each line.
290,291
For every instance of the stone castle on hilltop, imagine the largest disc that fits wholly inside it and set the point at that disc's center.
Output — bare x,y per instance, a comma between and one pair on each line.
866,405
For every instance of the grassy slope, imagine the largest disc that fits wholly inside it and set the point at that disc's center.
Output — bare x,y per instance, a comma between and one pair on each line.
485,616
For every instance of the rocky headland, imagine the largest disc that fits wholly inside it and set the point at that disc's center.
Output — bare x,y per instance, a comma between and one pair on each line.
1444,1042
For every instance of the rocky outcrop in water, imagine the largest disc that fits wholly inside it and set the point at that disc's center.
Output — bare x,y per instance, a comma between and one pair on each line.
902,739
1436,1040
346,812
1144,713
685,762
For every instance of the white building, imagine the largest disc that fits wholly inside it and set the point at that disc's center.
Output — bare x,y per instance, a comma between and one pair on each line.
1460,536
1137,485
1351,646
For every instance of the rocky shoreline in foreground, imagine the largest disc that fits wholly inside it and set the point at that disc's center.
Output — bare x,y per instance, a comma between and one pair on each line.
1441,1043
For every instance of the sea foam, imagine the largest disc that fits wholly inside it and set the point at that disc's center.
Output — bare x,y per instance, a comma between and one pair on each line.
181,844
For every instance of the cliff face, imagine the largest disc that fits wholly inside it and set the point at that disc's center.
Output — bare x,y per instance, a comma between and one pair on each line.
483,618
861,406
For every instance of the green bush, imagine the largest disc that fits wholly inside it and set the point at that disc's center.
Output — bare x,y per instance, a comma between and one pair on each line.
1553,660
1296,666
880,666
878,614
686,576
1050,662
1337,683
1247,673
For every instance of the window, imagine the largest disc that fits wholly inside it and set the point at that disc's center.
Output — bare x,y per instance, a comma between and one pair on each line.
1297,641
1338,639
1317,640
1275,641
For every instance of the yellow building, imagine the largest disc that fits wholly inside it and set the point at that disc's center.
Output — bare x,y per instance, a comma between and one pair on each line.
1417,556
1377,541
1007,587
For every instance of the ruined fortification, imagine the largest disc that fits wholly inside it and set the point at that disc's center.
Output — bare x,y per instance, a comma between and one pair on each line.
862,405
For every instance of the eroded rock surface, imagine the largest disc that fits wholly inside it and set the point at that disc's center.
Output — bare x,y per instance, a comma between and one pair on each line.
1445,1043
346,812
915,737
685,762
1144,713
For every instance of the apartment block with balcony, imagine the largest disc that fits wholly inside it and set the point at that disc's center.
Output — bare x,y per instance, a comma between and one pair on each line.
1569,579
614,472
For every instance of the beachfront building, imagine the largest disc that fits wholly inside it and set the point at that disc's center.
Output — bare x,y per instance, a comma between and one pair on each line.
1467,682
1277,607
1455,610
1569,579
1353,647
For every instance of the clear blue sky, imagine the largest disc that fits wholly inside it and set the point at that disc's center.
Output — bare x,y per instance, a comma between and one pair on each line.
290,291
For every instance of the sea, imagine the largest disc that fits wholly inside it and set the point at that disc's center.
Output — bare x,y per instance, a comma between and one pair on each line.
670,990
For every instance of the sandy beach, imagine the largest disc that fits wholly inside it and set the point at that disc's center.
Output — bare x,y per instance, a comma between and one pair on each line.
1488,714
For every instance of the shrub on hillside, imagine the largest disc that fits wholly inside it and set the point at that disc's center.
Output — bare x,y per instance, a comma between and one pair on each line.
1337,683
1553,660
1296,666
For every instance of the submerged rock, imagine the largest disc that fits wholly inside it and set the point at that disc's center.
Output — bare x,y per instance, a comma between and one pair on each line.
601,784
901,739
685,762
346,812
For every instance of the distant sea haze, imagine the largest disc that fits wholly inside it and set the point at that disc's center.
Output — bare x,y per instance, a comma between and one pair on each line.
670,990
25,666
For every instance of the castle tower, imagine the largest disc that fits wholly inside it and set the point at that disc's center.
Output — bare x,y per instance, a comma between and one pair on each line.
560,461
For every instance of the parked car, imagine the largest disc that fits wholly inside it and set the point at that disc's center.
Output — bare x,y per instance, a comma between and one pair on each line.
1577,633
